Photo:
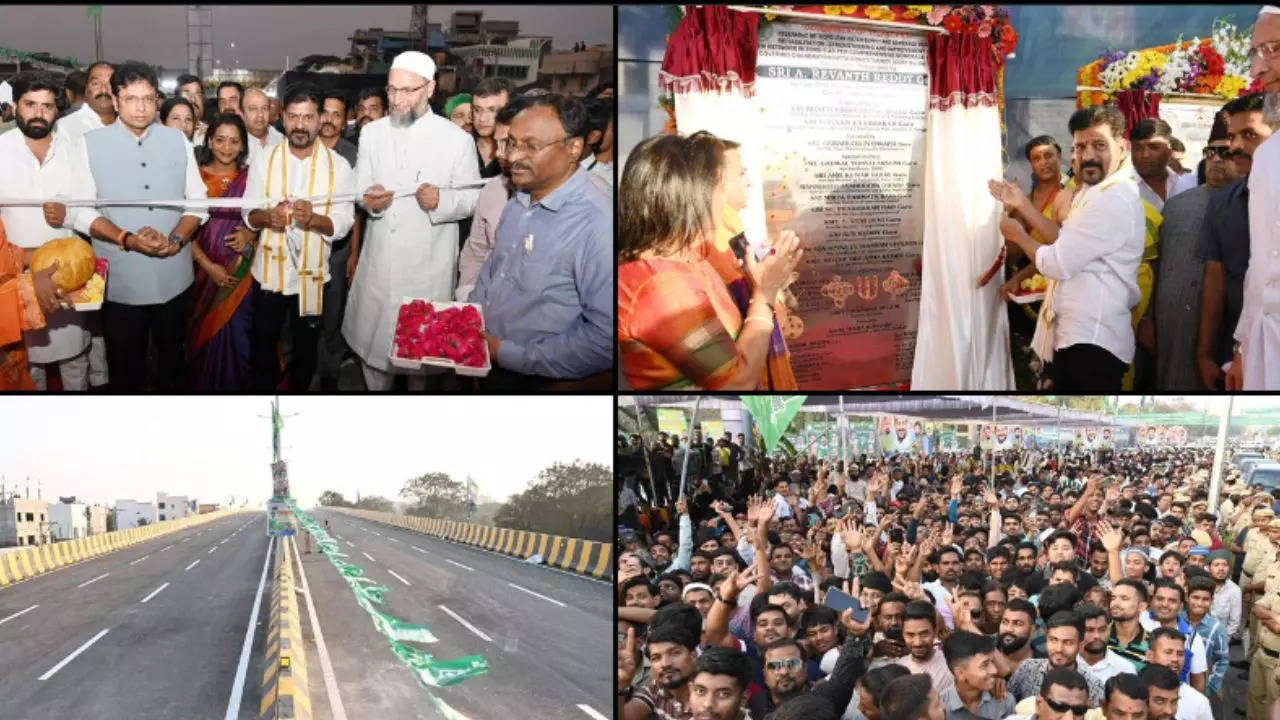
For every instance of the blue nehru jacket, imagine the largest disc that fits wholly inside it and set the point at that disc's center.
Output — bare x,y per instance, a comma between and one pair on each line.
547,288
126,167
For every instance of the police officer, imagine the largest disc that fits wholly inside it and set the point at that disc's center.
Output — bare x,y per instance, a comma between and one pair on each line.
1264,686
1257,548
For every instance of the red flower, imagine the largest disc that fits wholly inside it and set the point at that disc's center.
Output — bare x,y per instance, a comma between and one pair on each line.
953,23
453,333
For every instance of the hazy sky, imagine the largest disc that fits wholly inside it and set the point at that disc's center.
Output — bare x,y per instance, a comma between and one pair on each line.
263,34
102,449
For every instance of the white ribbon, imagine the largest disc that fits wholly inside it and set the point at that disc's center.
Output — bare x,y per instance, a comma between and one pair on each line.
197,203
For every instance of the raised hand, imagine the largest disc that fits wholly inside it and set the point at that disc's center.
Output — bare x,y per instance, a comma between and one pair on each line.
853,626
682,508
627,660
852,536
1110,535
993,500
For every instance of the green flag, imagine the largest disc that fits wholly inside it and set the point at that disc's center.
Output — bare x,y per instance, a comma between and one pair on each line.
773,414
92,11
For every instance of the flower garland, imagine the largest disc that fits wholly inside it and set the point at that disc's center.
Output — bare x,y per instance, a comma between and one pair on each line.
982,20
1216,65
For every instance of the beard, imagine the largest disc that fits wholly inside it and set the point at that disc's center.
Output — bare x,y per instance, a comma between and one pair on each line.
307,138
405,119
1095,648
1271,109
37,129
1010,643
787,687
672,680
929,576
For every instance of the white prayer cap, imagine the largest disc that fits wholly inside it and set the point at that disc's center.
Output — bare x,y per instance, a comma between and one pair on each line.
6,93
417,63
1270,10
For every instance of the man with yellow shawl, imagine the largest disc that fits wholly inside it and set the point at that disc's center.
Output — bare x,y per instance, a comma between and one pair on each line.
1157,184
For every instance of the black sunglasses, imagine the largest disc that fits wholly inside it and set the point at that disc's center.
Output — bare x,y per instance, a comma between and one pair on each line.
1077,710
1223,152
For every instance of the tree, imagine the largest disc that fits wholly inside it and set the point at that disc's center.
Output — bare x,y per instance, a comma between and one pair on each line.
435,494
376,503
571,499
143,522
333,498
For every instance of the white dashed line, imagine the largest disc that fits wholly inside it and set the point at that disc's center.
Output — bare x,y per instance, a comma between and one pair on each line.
185,539
155,592
144,557
464,567
72,656
392,539
224,540
393,572
89,582
544,597
215,547
466,624
166,547
368,556
415,547
20,612
190,566
590,711
348,542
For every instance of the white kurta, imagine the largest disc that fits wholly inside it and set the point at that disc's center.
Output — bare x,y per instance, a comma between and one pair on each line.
1259,329
79,122
407,252
59,176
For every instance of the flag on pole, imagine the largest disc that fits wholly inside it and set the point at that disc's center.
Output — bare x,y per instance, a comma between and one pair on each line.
92,11
773,414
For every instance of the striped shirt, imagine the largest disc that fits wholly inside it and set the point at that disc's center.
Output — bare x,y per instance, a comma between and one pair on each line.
1135,651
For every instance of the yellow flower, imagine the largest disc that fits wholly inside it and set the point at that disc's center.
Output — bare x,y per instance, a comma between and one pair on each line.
919,9
879,12
1230,86
831,9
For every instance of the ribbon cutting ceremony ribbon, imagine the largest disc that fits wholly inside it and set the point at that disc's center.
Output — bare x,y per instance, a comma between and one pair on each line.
197,203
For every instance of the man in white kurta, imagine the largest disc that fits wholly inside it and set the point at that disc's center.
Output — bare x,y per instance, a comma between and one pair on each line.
1256,365
42,165
411,245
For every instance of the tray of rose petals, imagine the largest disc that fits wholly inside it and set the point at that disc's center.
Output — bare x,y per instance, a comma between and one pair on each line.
440,334
89,297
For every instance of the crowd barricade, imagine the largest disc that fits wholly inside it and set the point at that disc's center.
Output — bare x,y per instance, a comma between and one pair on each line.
584,557
30,561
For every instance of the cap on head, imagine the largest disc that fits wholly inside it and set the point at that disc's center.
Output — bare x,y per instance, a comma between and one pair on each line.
418,63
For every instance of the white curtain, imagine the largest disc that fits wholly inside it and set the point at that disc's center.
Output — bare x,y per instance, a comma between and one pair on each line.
963,337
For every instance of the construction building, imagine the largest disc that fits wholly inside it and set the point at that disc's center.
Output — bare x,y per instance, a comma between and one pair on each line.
69,520
24,522
576,73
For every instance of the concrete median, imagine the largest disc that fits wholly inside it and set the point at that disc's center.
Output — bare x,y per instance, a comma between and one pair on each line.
584,557
285,692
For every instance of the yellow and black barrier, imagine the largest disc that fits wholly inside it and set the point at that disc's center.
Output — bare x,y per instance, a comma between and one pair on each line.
285,693
35,560
584,557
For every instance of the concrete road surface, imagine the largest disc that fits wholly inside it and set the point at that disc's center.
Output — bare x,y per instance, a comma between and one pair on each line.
546,635
152,631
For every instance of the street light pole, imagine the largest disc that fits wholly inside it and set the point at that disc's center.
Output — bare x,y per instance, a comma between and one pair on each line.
1215,481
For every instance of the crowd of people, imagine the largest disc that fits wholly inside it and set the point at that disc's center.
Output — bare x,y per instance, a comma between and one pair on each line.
951,585
350,204
1151,280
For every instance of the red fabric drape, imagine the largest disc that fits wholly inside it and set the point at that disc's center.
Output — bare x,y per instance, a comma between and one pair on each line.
713,47
1137,105
962,68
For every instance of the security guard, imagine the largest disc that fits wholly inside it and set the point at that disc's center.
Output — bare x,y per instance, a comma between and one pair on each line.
1257,547
1264,688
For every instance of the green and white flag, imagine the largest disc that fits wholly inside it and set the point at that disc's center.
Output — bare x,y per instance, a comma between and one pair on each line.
773,414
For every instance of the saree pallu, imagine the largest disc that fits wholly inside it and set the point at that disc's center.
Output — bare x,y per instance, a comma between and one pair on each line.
19,311
218,333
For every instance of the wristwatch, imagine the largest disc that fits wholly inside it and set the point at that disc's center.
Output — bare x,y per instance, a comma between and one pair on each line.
177,239
625,694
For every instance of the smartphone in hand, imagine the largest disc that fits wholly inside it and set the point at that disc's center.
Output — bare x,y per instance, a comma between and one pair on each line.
840,601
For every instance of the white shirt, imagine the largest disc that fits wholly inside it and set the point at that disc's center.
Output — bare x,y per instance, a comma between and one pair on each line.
1226,606
940,596
59,176
1199,655
280,273
258,148
1258,331
601,169
1173,185
79,122
783,509
1096,261
1192,704
1109,666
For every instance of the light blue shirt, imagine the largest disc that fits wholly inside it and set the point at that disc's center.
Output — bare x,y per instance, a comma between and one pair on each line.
547,289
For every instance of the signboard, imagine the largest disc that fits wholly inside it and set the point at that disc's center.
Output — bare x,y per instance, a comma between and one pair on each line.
1151,435
1192,121
1093,438
280,520
712,429
279,480
900,434
843,123
1000,437
672,421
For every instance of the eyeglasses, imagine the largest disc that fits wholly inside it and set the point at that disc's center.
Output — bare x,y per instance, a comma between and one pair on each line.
1222,152
791,664
143,101
1265,51
1054,705
515,146
394,91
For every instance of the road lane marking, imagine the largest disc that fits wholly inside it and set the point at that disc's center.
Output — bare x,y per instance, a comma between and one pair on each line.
348,542
166,547
73,655
155,592
186,539
590,711
224,540
237,687
393,572
392,539
368,556
20,612
330,680
465,624
415,547
89,582
144,557
215,547
464,567
544,597
190,566
375,532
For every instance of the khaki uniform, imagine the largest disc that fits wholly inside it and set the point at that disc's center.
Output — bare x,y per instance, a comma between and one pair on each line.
1263,688
1259,558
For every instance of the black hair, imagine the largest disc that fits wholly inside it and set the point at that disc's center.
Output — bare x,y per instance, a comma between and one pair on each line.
1159,676
768,607
230,84
782,643
131,72
895,597
1089,611
1177,145
34,80
906,698
919,610
493,86
999,551
1095,115
1026,545
1066,618
1253,102
600,112
89,70
1039,140
1173,554
818,615
1165,632
877,679
1148,128
372,91
805,706
572,113
168,105
75,82
671,575
1127,684
1168,584
1060,535
1067,565
962,645
681,614
1067,678
876,580
1200,583
786,588
188,78
303,92
509,111
724,661
1056,598
937,555
335,94
637,581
